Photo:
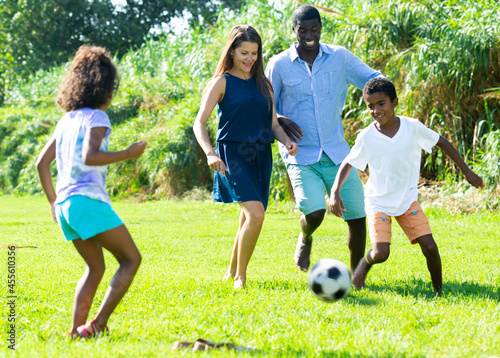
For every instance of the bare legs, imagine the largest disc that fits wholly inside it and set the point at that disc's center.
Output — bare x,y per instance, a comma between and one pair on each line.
119,242
308,224
356,239
86,288
380,252
251,220
231,271
431,253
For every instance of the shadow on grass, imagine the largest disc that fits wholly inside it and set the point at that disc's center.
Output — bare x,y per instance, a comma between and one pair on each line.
274,285
344,354
471,289
278,285
361,301
423,290
308,353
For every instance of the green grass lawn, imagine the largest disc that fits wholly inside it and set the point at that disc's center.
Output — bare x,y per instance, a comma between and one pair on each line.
178,293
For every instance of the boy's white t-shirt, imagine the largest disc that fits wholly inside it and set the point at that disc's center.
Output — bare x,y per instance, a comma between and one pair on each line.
394,164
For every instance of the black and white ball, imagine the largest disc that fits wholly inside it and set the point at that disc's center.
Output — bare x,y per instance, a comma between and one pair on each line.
330,280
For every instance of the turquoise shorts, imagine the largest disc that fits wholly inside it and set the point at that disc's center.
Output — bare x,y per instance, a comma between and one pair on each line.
310,182
81,217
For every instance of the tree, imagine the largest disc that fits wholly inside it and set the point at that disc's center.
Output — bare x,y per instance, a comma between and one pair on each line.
36,34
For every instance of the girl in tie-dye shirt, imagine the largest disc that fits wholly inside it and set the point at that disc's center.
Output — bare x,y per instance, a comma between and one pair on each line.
80,203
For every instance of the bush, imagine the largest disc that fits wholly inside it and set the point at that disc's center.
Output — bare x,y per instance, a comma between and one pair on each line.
442,59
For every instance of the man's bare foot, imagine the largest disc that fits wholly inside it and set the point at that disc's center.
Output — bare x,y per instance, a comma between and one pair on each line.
303,253
359,275
239,283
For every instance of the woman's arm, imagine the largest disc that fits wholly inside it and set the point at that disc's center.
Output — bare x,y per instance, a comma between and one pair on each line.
280,134
213,94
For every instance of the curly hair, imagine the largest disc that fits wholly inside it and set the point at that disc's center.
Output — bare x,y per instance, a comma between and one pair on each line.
380,84
91,81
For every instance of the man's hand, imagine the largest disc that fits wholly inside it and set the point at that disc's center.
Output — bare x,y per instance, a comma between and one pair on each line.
291,128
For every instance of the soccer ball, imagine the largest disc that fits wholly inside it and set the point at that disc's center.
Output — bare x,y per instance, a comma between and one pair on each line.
330,280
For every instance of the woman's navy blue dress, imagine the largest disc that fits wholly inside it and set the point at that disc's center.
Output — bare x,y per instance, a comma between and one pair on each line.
243,143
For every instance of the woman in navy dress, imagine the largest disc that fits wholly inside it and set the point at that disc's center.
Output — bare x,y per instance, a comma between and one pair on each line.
242,158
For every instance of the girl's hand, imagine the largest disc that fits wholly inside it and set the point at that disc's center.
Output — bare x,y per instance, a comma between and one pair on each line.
216,164
53,211
292,147
136,149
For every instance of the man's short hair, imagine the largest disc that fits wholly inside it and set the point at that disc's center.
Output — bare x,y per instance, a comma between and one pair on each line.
380,84
305,12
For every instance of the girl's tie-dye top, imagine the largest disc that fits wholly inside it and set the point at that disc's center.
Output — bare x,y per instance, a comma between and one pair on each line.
74,177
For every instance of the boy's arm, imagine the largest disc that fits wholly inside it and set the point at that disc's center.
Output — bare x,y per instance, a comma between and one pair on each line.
336,204
46,157
91,155
474,179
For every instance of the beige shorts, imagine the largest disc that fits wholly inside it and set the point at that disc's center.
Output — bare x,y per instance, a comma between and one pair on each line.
413,222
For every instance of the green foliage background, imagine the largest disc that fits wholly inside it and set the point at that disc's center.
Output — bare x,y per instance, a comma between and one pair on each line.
38,34
442,55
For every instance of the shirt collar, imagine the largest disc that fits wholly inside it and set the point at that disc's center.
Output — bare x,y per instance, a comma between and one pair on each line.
295,55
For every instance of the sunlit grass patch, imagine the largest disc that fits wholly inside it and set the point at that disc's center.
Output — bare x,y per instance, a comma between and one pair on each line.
178,293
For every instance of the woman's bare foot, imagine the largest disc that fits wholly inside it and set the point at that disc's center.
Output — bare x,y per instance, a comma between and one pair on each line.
227,276
359,275
239,283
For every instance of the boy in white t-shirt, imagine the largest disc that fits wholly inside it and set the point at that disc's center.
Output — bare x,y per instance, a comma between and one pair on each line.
391,147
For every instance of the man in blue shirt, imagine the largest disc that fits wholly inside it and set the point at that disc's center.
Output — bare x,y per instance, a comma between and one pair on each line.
310,82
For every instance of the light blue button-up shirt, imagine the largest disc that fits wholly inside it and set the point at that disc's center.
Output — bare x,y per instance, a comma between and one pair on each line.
314,99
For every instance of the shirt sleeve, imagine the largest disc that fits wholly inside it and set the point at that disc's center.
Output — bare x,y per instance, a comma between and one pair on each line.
357,73
275,79
426,137
357,156
100,119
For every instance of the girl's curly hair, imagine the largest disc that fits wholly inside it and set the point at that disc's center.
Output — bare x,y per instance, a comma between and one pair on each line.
91,81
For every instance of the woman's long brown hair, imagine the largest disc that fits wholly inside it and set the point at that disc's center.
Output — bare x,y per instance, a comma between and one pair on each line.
239,34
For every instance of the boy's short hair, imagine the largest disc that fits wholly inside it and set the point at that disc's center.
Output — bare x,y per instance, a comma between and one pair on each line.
380,84
305,12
